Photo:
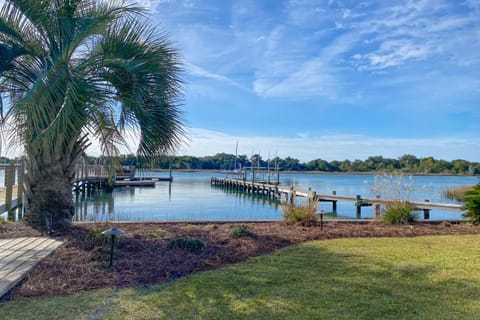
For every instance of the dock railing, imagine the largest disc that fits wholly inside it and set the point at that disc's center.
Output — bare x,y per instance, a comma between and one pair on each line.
11,186
290,193
85,171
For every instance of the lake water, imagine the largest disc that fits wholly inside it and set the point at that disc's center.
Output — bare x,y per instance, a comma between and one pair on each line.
191,197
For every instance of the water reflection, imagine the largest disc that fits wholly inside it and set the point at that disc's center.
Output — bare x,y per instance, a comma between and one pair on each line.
94,204
191,197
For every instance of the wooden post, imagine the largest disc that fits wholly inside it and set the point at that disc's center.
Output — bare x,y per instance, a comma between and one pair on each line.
358,204
9,180
426,212
20,179
359,211
334,203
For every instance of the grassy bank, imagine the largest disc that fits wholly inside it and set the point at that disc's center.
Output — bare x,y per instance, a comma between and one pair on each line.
383,278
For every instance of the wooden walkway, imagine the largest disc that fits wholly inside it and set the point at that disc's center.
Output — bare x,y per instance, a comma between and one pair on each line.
276,191
19,255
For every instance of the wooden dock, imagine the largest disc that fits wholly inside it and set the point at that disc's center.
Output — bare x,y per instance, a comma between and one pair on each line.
279,192
95,177
20,255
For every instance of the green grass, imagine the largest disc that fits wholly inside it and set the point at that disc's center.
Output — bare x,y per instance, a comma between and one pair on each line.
383,278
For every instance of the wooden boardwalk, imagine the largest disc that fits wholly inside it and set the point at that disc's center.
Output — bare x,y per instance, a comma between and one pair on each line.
19,255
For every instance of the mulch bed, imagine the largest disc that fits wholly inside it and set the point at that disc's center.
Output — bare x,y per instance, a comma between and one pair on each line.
148,254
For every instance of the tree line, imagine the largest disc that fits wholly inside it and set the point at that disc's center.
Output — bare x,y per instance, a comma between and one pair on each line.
223,161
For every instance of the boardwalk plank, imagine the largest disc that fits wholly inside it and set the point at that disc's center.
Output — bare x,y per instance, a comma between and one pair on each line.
19,256
18,249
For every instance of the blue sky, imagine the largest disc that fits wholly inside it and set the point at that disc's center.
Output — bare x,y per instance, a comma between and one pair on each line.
328,79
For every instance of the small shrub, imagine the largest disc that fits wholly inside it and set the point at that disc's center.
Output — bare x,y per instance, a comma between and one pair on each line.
398,212
102,253
300,213
472,205
193,245
96,238
241,231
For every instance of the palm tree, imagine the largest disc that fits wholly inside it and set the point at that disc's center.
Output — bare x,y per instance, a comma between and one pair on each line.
75,71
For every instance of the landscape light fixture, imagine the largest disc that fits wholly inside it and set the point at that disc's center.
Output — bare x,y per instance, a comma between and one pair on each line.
113,232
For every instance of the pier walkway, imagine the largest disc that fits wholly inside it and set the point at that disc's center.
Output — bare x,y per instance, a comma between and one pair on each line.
20,255
289,193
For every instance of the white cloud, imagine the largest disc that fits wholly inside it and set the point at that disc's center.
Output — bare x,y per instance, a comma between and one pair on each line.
289,73
197,71
149,4
394,53
413,31
312,79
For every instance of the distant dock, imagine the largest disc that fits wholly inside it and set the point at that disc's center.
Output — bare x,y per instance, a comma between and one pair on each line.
289,193
98,177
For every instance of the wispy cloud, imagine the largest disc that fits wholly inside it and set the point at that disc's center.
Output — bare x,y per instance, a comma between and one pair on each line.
311,79
196,71
149,4
413,31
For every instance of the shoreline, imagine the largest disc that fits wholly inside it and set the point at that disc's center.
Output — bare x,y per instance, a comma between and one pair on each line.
378,173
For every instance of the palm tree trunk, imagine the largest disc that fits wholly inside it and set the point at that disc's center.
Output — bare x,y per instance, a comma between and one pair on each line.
48,191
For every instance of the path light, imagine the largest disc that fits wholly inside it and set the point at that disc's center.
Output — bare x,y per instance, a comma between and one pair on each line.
113,232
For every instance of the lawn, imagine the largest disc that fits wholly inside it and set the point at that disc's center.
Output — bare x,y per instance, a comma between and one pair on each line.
435,277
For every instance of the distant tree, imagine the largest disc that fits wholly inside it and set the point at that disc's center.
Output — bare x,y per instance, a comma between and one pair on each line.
409,163
428,165
257,161
318,165
358,166
335,166
460,166
345,166
292,164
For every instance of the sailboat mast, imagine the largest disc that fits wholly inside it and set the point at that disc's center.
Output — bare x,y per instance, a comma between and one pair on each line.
236,156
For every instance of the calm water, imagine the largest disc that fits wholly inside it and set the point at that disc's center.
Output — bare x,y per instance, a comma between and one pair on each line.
191,197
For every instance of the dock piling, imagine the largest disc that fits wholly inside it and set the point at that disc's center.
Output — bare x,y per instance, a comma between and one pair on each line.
426,212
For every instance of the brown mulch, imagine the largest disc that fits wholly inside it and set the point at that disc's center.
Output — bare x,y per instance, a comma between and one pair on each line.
146,256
